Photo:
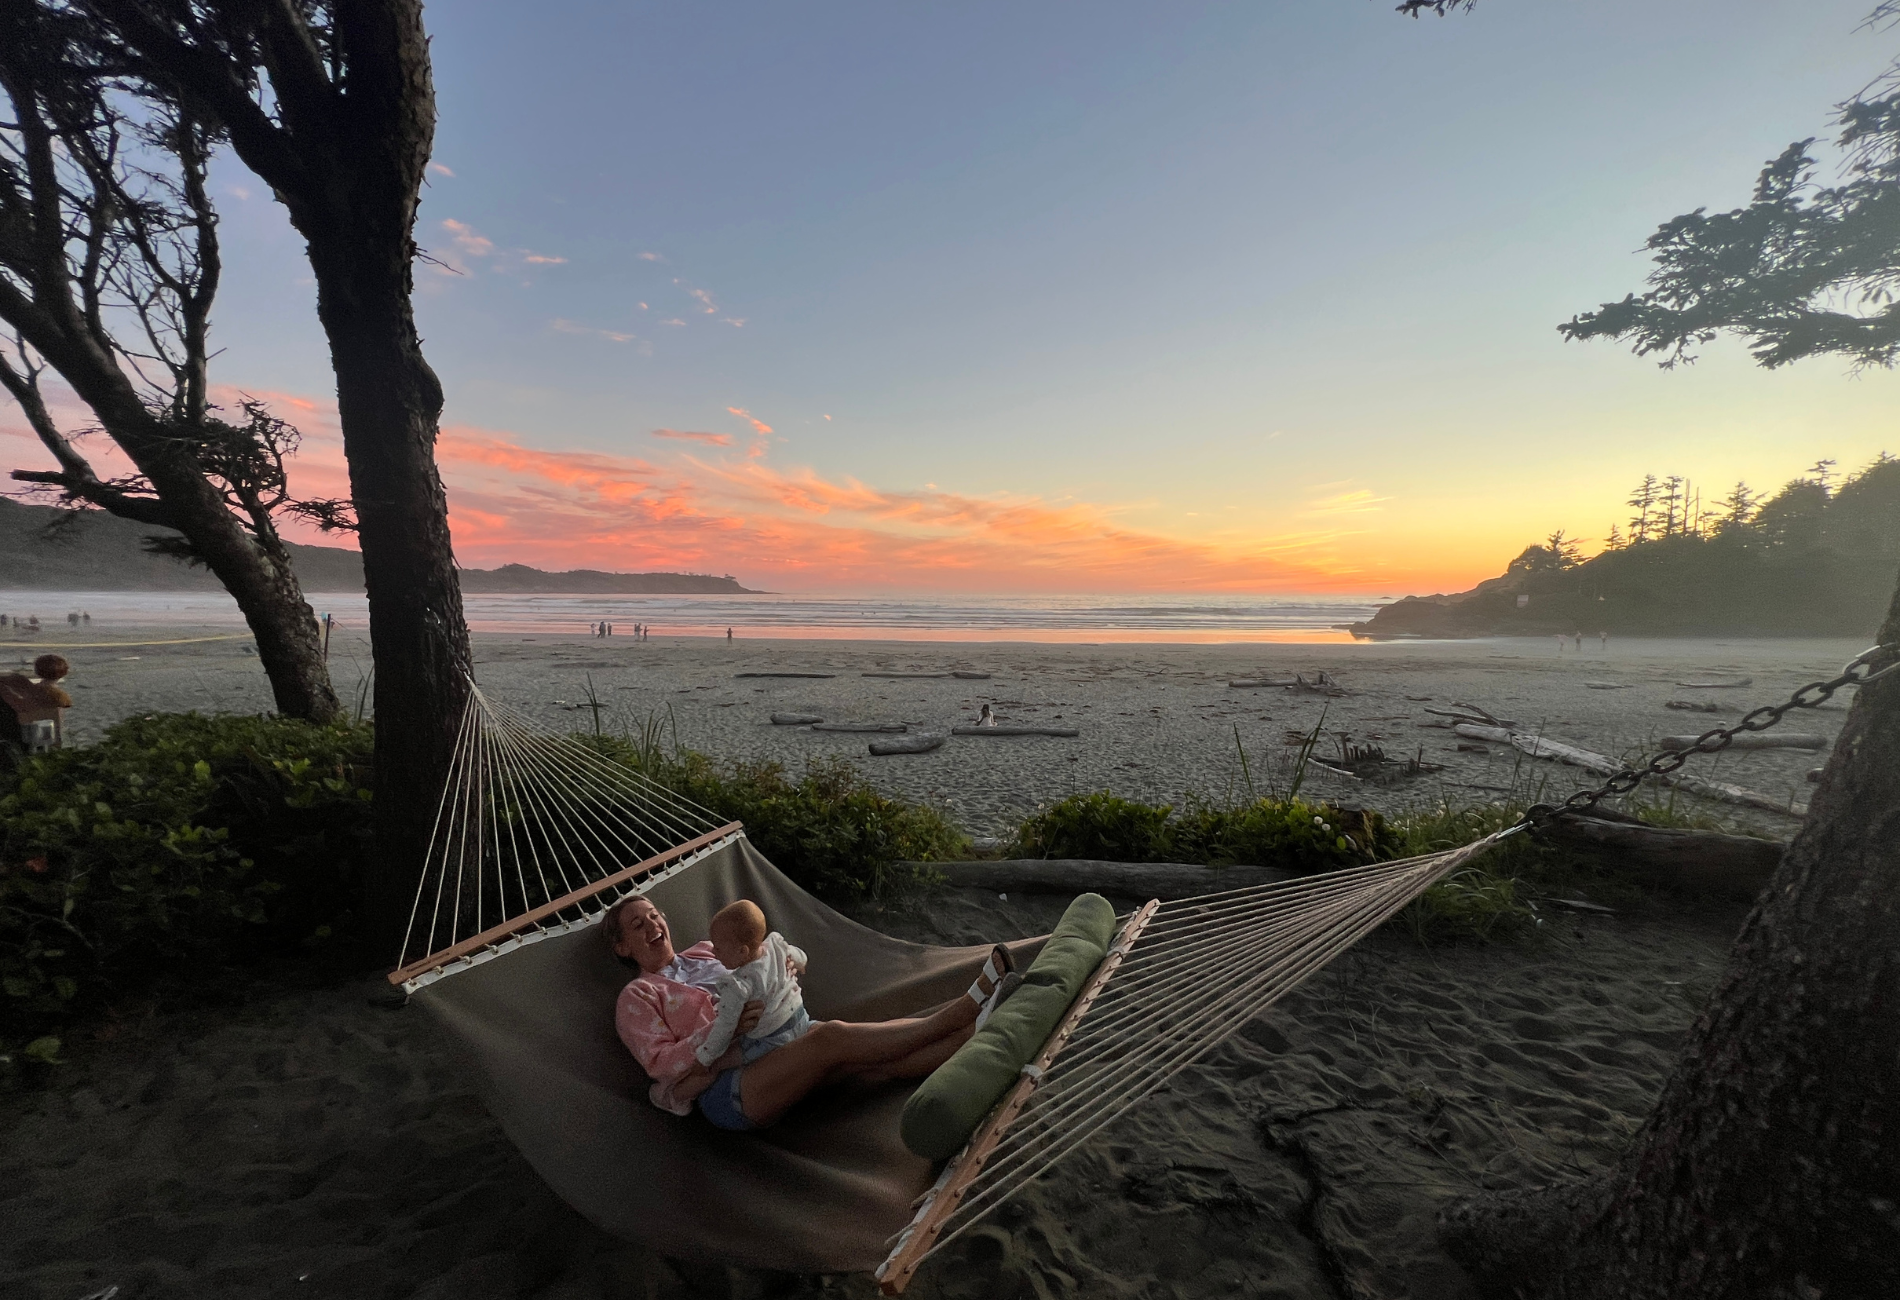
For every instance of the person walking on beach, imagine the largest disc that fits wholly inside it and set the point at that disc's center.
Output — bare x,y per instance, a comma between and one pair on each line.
1560,643
728,634
1603,639
1579,643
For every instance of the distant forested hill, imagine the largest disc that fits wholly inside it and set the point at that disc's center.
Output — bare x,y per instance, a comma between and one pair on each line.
94,551
1813,560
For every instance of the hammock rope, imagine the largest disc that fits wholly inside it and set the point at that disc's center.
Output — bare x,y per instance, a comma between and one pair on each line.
538,834
1171,1001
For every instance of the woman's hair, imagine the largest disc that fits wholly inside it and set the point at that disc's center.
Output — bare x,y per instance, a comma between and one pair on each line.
610,931
50,668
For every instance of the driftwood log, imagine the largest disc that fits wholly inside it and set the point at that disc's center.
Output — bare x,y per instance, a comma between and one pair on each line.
1557,750
1541,747
921,742
1718,686
1705,862
1756,740
796,719
1163,880
1004,730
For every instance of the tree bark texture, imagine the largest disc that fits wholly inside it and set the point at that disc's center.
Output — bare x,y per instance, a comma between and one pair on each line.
344,149
1771,1164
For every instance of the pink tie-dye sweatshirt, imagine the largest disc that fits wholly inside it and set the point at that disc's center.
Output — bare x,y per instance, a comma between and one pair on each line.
663,1021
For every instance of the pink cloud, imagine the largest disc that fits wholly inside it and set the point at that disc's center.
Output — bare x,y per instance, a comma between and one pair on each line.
563,326
440,169
787,527
759,427
466,238
544,259
649,257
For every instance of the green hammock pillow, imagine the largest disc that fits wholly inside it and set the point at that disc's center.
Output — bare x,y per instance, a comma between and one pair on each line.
942,1113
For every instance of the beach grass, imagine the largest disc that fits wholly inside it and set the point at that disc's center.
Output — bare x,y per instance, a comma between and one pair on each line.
182,840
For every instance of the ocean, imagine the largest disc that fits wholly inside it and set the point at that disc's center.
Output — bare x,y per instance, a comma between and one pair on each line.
1066,619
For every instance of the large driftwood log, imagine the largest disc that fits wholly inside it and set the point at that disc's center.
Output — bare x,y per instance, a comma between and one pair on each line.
1707,862
1541,747
1756,740
1004,729
1163,880
920,742
1557,750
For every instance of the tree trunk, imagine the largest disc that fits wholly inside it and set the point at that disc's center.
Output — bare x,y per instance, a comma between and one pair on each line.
1771,1164
266,589
389,400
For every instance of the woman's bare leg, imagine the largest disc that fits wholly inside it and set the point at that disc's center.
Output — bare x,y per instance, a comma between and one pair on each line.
778,1080
917,1064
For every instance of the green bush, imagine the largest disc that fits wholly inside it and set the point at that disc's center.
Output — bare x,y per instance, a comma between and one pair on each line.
176,838
828,829
1264,832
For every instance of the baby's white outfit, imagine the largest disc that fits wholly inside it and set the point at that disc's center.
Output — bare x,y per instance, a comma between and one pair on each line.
765,980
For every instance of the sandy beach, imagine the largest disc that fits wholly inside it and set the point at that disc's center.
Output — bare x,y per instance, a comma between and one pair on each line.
1156,721
302,1139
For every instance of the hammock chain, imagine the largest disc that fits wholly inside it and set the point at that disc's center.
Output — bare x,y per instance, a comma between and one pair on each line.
1860,671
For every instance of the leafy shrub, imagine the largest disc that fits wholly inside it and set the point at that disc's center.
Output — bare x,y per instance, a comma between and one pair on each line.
1099,826
176,838
828,829
1264,832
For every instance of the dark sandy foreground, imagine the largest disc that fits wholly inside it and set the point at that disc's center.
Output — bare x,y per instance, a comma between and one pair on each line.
308,1143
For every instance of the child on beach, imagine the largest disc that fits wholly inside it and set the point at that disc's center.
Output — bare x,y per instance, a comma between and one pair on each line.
760,969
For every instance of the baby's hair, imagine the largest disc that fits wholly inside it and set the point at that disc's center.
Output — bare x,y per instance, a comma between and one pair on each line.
742,921
51,668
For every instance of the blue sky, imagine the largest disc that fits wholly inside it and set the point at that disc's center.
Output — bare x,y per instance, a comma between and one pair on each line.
1275,283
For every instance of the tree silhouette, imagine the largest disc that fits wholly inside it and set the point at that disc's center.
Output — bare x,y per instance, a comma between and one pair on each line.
1771,1164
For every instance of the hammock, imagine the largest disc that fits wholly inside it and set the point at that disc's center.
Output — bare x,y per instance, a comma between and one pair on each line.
537,836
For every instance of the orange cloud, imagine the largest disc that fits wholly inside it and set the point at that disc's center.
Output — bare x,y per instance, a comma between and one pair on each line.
792,528
759,427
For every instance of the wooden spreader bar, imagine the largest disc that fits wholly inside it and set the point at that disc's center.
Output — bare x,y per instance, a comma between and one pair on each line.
527,920
941,1201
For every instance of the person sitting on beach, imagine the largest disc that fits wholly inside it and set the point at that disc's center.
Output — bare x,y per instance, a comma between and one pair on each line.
763,968
663,1015
48,670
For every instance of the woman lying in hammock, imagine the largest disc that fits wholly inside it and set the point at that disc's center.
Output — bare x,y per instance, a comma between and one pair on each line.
663,1016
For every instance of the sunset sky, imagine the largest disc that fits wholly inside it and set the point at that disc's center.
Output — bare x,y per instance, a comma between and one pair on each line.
1110,297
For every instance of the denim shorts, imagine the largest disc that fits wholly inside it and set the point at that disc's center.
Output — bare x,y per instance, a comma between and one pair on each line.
720,1103
751,1049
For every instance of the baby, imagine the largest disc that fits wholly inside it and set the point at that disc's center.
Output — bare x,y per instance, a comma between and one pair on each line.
758,972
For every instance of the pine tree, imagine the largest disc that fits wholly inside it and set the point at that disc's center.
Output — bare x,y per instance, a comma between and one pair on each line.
1672,505
1644,499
